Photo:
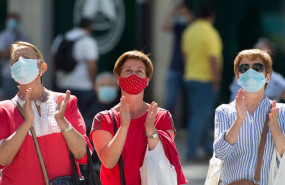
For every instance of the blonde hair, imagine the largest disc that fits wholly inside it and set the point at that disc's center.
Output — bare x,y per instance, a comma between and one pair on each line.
29,45
134,55
253,54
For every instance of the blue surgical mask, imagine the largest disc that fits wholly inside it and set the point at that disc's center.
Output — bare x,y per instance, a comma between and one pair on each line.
182,20
251,80
107,94
12,24
24,71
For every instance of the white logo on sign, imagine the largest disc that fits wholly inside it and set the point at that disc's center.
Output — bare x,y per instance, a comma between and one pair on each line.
108,17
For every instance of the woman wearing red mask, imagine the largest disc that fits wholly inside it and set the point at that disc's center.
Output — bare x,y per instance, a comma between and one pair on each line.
140,125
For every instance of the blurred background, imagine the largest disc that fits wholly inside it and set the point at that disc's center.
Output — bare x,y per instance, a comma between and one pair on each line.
122,25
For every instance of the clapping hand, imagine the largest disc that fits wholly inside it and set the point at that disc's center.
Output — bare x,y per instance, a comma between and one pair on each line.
152,111
125,116
240,104
61,106
27,108
273,114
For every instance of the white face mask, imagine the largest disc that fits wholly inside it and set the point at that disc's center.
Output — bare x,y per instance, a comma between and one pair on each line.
24,71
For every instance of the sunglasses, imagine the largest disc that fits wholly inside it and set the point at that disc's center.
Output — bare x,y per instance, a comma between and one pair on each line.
242,68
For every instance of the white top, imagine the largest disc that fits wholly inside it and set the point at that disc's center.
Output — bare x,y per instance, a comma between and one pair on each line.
85,49
46,123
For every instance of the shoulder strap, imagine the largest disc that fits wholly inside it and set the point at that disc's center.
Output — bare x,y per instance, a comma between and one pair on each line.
39,153
121,166
261,149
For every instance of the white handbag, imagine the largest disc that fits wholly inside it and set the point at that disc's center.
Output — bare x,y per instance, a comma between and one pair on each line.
277,169
214,171
156,168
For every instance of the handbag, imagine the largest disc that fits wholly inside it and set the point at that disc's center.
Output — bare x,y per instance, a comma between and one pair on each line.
92,177
259,160
156,168
120,162
277,169
214,171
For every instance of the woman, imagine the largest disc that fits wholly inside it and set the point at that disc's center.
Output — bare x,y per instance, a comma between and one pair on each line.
55,118
139,125
238,125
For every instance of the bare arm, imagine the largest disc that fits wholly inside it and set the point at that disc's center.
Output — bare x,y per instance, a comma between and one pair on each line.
216,71
277,134
110,149
92,70
10,146
75,141
232,134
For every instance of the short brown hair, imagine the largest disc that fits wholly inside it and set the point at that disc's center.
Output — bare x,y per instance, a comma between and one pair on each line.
134,55
253,54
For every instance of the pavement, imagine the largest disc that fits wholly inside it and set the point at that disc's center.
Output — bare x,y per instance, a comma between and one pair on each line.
196,171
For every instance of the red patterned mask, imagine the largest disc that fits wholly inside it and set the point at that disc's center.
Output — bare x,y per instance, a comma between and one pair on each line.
132,84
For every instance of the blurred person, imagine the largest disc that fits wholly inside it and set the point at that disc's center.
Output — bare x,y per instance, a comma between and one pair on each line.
11,34
276,86
202,49
55,118
176,21
140,125
238,125
106,90
85,50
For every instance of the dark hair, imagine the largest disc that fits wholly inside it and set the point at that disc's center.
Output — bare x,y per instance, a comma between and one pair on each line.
13,15
206,10
85,22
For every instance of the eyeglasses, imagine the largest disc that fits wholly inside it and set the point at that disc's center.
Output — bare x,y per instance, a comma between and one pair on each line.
242,68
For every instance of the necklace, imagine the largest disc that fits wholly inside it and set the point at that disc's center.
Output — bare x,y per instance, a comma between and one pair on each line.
43,98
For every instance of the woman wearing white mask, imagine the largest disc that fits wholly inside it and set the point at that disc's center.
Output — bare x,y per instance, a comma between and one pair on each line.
139,125
55,118
238,125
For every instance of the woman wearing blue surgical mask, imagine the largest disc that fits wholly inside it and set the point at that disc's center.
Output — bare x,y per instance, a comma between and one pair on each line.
55,118
238,125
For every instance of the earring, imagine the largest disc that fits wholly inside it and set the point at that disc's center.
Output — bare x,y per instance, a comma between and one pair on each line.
41,74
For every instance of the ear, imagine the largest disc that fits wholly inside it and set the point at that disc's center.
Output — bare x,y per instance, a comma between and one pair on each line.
43,68
117,78
237,78
268,77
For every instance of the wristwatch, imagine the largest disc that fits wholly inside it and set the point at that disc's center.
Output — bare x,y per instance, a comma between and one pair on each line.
67,129
153,136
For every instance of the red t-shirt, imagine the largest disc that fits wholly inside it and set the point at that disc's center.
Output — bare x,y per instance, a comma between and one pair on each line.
25,168
135,145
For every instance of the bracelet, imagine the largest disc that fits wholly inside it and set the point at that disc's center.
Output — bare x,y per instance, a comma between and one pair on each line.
153,136
67,129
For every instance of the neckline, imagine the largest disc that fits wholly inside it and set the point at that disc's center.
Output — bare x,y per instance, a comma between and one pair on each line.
142,116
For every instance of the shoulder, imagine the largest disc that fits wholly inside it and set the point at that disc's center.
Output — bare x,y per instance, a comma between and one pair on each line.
226,108
6,104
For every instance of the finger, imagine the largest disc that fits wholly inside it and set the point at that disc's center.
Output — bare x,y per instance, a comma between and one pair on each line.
27,94
67,97
270,116
59,100
274,104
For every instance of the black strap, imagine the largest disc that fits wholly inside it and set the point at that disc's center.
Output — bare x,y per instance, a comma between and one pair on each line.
121,166
75,177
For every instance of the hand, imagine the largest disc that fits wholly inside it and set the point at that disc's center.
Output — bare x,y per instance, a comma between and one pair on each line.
273,115
125,116
61,106
240,105
27,108
152,111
